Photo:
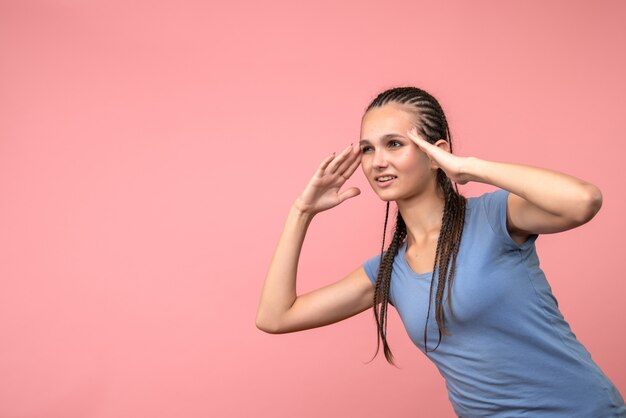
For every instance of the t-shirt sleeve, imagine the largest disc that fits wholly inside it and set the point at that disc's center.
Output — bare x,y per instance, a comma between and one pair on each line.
371,267
495,206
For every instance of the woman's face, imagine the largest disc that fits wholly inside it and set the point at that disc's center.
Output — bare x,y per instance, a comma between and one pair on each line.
387,150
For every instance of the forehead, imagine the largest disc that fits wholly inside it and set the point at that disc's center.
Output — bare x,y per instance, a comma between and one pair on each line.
390,118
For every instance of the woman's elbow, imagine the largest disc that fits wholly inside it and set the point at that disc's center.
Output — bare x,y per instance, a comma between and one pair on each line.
266,326
592,202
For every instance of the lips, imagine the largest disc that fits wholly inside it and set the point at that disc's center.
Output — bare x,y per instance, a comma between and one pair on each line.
385,183
385,177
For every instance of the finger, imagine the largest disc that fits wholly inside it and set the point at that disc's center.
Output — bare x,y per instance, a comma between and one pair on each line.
418,139
432,151
348,161
350,170
332,167
324,163
348,194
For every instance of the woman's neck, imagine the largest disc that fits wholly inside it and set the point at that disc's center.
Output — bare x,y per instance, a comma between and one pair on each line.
422,215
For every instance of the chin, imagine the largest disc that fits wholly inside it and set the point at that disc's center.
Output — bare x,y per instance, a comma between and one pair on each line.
387,197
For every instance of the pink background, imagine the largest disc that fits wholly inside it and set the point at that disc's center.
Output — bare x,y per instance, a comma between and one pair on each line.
149,153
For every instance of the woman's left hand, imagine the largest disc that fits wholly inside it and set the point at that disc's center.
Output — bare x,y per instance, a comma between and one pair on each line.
452,165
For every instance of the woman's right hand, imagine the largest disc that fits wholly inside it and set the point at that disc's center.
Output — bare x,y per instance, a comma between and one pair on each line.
322,192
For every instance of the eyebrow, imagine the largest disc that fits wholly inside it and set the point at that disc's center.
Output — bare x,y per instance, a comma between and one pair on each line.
384,138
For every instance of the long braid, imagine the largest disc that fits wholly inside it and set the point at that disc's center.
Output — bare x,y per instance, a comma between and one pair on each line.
383,282
449,239
433,125
378,293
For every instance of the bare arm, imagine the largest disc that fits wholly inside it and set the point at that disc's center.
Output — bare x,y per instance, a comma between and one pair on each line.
541,201
280,308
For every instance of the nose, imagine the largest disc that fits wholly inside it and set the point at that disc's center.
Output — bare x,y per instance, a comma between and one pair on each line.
380,158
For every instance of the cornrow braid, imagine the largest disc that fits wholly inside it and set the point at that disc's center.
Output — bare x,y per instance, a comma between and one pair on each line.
447,249
433,125
381,293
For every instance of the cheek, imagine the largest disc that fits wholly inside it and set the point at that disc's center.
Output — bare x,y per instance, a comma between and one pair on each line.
414,165
366,164
410,161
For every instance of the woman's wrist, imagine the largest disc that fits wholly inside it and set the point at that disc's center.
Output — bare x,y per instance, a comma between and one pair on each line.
473,170
301,210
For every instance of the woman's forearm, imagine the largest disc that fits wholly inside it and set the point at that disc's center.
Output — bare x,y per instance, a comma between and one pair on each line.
557,193
279,289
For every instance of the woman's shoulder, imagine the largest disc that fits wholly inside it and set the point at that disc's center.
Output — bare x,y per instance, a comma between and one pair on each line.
488,206
491,204
492,197
489,212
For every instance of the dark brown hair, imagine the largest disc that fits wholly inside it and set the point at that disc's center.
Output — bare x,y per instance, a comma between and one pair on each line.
432,124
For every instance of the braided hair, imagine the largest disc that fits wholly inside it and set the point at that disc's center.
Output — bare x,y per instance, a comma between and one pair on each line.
432,125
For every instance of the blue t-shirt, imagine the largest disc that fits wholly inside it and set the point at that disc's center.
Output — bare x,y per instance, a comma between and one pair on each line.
511,352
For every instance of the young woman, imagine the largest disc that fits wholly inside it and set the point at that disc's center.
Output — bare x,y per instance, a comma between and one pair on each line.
463,274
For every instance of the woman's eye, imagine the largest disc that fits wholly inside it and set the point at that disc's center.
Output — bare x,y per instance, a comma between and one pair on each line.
394,144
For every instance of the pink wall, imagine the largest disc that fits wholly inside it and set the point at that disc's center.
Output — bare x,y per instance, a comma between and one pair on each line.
149,152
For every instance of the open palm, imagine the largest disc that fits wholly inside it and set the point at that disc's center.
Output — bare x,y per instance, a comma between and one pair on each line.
452,165
322,192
